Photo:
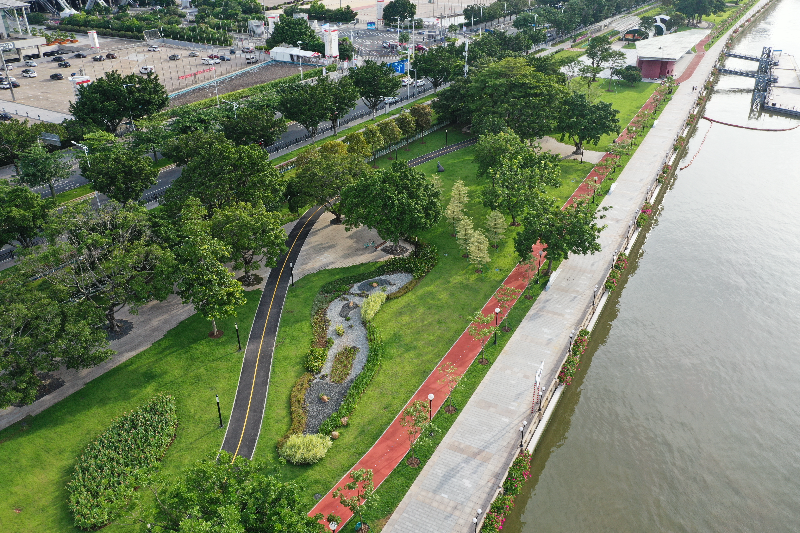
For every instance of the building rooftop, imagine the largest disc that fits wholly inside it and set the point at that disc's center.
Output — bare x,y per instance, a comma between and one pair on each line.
11,4
668,47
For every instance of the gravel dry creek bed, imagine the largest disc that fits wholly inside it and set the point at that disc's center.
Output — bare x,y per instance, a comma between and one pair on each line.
317,410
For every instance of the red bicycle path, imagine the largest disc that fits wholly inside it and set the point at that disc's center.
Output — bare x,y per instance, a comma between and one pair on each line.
393,445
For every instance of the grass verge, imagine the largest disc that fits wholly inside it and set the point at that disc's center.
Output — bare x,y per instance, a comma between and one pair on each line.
67,196
38,454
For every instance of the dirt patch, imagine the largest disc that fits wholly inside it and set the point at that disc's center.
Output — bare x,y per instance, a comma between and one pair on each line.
273,71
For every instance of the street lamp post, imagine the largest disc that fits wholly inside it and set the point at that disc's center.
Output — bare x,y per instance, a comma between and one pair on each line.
219,412
496,314
522,433
445,137
301,59
291,272
238,340
430,407
475,520
333,525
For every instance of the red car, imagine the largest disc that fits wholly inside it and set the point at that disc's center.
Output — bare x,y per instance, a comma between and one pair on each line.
213,56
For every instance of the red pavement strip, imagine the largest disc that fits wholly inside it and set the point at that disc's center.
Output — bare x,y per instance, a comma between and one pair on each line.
392,446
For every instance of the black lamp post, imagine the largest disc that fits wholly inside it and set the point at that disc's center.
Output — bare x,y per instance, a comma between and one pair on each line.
522,433
475,520
496,314
445,137
219,413
238,339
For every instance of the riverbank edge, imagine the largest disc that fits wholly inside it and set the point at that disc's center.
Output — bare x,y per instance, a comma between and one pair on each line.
654,196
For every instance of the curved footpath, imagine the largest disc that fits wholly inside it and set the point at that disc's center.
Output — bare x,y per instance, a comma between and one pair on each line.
244,425
463,474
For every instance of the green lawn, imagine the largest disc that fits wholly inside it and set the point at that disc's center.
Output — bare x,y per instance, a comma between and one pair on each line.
77,192
38,454
627,100
417,328
429,143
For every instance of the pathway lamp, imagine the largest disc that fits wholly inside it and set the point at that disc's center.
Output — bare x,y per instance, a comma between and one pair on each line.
445,137
219,412
475,520
238,340
291,272
301,60
522,433
496,314
333,525
430,407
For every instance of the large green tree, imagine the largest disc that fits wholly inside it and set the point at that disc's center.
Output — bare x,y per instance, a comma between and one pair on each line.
222,174
110,99
598,52
204,281
695,10
399,10
290,31
573,230
304,103
397,202
40,331
118,171
585,122
340,98
519,180
515,93
17,136
322,174
38,167
250,125
108,257
374,82
231,495
439,64
254,236
22,214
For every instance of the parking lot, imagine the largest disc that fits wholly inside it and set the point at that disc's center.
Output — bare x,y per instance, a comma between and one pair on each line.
55,95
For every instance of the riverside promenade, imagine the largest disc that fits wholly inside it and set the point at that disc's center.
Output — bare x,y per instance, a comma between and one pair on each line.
469,465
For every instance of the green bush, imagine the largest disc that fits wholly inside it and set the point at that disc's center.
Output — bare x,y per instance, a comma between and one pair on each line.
340,329
371,305
305,449
405,289
418,264
297,403
107,472
315,359
343,364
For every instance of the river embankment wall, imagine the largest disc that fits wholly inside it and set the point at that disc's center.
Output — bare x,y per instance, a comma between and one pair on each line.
468,467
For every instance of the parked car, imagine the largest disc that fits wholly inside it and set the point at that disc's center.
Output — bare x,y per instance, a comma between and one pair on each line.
111,56
406,81
249,50
8,84
147,69
64,64
14,84
193,54
6,116
80,55
391,99
175,57
420,83
98,58
50,53
213,56
224,58
57,59
153,48
7,67
250,59
420,48
30,63
4,79
57,76
28,73
233,51
28,57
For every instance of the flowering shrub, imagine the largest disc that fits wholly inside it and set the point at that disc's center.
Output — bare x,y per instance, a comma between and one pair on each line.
612,280
621,263
580,343
343,363
644,214
108,471
302,449
518,473
315,358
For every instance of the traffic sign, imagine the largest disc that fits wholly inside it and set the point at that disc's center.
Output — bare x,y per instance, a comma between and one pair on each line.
6,46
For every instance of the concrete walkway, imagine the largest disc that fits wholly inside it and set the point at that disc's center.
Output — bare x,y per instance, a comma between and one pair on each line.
23,111
471,462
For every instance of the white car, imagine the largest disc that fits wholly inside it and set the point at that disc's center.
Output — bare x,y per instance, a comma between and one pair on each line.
391,99
7,67
30,63
147,69
251,59
420,83
153,48
28,73
406,81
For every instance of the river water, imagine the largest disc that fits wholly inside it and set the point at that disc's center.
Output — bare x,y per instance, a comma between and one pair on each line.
685,417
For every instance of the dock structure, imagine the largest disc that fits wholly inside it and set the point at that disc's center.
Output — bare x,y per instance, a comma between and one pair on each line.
764,77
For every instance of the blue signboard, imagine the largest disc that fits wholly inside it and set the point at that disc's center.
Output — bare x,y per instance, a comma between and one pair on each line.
370,25
399,66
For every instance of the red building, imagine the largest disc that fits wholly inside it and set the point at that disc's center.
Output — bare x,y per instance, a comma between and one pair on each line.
657,56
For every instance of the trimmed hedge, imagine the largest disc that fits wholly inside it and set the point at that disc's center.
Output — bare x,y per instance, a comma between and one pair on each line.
297,401
372,305
418,264
107,473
